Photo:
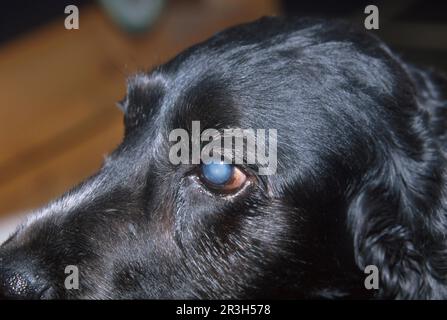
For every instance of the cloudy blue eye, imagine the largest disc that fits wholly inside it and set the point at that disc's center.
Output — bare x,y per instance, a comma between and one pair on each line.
222,177
217,173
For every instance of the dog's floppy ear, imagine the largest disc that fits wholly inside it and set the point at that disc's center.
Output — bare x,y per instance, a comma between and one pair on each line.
122,105
398,214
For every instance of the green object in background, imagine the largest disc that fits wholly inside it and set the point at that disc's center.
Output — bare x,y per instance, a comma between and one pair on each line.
134,16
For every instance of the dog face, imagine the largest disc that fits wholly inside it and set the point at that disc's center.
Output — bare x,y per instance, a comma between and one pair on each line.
359,180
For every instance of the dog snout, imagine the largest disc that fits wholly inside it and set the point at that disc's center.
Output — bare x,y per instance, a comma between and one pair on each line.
20,279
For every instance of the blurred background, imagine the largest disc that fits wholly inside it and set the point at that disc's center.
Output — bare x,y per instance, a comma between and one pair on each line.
58,87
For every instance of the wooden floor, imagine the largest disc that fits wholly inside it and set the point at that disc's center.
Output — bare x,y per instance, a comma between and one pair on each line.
59,87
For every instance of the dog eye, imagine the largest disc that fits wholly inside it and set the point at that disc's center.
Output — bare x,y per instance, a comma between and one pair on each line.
222,176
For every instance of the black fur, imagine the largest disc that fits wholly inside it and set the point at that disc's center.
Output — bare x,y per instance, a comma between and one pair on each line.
361,179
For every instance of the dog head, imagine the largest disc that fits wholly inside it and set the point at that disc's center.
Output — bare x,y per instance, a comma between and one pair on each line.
359,180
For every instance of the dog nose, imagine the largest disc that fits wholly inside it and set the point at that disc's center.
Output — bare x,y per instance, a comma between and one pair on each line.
19,280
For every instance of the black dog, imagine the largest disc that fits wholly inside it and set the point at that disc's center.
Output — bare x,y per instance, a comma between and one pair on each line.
360,180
